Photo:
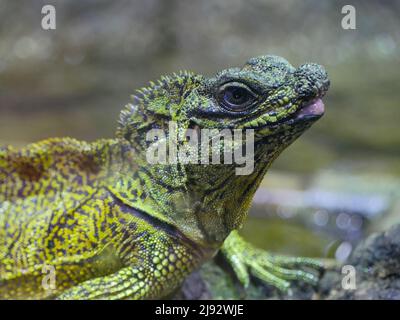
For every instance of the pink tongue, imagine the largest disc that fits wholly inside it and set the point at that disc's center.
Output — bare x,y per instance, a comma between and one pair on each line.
315,108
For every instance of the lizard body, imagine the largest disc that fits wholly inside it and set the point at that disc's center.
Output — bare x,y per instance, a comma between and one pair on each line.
114,226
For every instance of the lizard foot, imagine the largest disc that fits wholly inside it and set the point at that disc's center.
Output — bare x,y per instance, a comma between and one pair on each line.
275,270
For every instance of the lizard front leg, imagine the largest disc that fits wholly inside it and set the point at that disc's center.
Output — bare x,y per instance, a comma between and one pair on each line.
156,271
129,282
246,259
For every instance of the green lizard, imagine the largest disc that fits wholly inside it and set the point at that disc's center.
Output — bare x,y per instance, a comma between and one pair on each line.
114,226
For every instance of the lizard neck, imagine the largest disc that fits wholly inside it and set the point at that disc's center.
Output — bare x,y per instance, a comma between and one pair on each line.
158,191
204,202
205,205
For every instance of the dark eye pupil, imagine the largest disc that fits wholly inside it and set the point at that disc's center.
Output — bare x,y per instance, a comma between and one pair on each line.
236,96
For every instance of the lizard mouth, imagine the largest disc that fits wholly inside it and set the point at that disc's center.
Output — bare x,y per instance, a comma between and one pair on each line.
311,110
308,113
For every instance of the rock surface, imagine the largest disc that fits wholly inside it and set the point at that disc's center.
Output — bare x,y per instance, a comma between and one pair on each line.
376,262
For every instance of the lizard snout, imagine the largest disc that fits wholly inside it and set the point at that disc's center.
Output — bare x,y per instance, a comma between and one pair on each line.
313,81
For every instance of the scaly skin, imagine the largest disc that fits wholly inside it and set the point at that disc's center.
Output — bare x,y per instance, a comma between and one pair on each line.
115,227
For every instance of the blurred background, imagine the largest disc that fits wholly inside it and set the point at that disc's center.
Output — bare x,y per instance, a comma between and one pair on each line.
333,186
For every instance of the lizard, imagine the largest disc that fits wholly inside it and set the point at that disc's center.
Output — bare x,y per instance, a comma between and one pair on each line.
113,226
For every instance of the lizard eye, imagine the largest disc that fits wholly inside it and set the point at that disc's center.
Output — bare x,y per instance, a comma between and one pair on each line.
235,96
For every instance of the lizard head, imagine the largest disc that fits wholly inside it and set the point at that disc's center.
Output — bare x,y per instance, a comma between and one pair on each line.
267,97
267,94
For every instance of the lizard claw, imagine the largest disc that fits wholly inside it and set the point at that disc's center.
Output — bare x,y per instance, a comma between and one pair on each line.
275,270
